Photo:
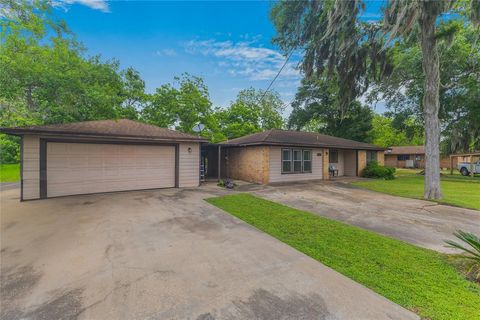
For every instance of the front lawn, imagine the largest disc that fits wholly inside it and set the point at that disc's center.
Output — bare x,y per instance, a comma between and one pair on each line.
418,279
457,190
9,172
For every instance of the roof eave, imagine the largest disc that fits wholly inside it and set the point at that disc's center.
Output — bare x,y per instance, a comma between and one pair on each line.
22,131
376,148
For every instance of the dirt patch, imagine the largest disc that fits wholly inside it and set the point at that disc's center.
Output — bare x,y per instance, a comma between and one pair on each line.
263,304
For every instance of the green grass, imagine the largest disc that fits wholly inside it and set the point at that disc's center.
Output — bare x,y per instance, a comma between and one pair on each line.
457,190
9,172
420,280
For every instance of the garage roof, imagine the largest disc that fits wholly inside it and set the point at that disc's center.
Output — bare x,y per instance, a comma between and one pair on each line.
299,138
118,129
406,150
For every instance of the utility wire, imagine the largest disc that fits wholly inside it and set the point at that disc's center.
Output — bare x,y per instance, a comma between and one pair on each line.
278,73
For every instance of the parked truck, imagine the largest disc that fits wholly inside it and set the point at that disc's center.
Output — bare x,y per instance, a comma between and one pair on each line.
466,168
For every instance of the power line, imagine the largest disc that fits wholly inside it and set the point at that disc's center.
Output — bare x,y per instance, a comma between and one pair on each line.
278,73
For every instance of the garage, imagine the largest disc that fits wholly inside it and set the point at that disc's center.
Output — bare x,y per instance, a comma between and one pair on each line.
81,168
104,156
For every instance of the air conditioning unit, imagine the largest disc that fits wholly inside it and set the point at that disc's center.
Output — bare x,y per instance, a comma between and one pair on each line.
409,164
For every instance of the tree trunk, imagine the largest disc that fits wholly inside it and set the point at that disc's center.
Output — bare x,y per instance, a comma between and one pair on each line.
431,103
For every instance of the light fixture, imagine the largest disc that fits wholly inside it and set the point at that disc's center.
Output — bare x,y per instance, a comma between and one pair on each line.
189,149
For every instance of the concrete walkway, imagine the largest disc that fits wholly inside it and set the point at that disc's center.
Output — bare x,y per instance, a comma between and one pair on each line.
164,254
422,223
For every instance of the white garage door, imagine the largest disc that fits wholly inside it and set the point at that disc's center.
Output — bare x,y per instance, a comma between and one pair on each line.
80,168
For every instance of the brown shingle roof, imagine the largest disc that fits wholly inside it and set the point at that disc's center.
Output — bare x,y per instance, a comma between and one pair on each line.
406,150
299,138
118,129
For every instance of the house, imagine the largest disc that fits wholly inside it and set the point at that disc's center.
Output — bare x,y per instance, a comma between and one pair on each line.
405,157
104,156
412,157
119,155
282,156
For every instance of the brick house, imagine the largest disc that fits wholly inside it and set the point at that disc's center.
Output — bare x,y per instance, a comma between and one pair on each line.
281,156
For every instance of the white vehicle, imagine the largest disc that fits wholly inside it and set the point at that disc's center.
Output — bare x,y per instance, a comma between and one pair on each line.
465,168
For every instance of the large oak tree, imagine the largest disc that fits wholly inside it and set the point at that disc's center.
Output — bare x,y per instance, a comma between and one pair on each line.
335,40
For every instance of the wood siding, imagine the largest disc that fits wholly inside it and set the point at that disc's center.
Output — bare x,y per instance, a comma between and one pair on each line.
350,163
276,166
189,165
340,163
73,168
31,167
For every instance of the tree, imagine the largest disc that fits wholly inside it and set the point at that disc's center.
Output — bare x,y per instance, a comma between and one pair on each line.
252,111
183,105
133,94
387,132
334,39
46,76
316,108
459,91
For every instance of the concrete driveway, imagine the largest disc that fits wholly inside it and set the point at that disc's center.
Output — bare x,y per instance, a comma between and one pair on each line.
422,223
163,254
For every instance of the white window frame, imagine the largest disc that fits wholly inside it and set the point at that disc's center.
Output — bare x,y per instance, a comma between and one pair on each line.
292,161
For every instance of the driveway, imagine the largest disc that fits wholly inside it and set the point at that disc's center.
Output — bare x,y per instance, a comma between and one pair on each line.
164,254
422,223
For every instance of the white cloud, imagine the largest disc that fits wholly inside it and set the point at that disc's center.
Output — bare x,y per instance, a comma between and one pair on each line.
166,53
245,59
101,5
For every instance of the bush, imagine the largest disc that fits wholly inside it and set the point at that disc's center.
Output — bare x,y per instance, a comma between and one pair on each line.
9,149
374,170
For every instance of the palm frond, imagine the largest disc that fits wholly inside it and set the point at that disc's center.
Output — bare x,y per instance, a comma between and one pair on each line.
469,238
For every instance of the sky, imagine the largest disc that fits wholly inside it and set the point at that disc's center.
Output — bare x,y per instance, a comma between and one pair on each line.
227,43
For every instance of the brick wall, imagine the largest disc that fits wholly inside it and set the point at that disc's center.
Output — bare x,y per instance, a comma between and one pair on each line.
362,160
248,164
381,158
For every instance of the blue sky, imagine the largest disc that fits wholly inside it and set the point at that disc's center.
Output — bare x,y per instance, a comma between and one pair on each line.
227,43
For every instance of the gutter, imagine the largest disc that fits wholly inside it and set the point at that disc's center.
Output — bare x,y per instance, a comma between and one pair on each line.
21,132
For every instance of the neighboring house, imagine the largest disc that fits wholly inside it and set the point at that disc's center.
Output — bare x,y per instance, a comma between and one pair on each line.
405,157
411,157
119,155
279,156
104,156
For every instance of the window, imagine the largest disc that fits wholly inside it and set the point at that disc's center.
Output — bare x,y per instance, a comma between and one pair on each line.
403,157
307,160
371,156
296,161
286,160
333,156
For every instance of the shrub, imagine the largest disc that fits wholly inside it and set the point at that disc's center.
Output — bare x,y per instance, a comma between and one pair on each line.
9,149
374,170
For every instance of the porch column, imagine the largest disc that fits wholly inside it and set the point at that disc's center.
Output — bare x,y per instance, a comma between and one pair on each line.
361,160
326,173
219,163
